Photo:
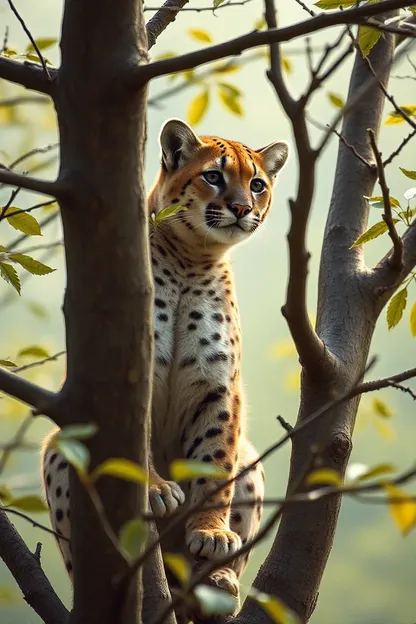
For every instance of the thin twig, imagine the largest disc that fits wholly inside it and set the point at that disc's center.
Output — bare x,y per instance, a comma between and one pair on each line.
51,358
397,255
16,441
34,523
397,151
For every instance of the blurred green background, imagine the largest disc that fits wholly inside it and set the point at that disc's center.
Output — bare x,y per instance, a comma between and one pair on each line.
370,575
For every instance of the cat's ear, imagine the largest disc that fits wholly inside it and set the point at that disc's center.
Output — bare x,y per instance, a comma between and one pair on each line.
274,157
179,144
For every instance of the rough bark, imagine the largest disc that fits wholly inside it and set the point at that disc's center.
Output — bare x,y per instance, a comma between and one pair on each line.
108,296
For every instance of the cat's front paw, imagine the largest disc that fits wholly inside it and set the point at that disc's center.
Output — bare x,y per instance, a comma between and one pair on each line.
212,543
165,497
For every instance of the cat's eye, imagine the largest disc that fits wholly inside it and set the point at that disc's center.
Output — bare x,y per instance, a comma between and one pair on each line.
213,177
257,185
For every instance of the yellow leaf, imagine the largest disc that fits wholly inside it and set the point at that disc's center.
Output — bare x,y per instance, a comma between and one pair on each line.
402,508
120,468
376,471
8,596
336,100
324,476
227,68
375,231
185,469
283,348
292,380
367,38
200,35
286,64
198,107
23,221
413,320
334,4
179,565
33,351
382,409
396,307
395,117
6,114
275,608
230,99
408,173
385,429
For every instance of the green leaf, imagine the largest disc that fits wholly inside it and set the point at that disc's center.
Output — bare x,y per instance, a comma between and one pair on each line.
34,504
198,107
168,212
213,601
334,4
9,274
395,117
8,364
78,432
23,221
179,565
408,173
367,39
230,67
37,309
200,35
217,3
412,320
120,468
30,264
42,43
33,351
381,408
74,452
336,100
229,97
378,202
374,232
5,494
185,469
8,596
376,471
275,608
133,537
324,476
402,508
396,308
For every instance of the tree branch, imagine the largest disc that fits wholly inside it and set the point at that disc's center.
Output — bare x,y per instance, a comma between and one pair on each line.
139,75
43,401
25,568
29,76
396,260
161,20
45,187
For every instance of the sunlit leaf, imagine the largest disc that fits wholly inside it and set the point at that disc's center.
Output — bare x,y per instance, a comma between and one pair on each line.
230,67
198,107
377,471
385,429
179,565
184,469
336,100
408,173
402,508
78,432
213,601
8,596
74,452
275,608
120,468
200,35
260,23
395,117
377,201
230,90
43,43
23,221
168,212
229,98
30,264
334,4
9,274
367,39
375,231
324,476
34,504
133,537
8,364
217,3
412,320
396,307
286,64
381,408
33,351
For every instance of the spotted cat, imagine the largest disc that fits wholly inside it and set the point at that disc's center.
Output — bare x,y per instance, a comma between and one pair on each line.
223,193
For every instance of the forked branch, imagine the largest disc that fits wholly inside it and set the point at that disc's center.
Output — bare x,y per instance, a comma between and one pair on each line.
27,75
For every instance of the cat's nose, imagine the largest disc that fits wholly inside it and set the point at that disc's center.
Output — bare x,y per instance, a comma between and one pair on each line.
239,210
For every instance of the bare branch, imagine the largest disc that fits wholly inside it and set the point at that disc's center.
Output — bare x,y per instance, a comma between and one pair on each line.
29,76
24,99
161,20
51,358
199,9
25,568
358,15
397,151
43,401
396,260
45,187
29,34
34,523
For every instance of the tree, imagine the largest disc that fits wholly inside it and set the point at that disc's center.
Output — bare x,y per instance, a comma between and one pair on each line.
99,92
